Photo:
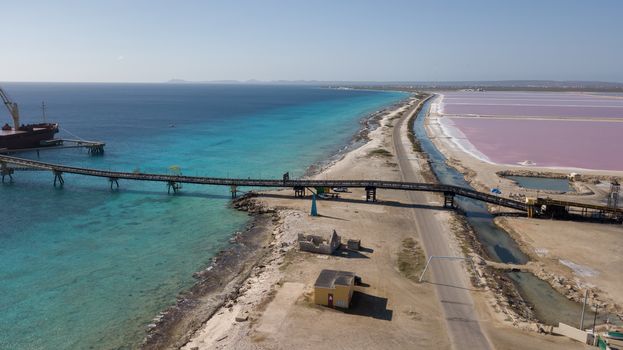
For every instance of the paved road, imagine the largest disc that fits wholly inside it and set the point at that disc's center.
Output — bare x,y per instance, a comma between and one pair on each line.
449,278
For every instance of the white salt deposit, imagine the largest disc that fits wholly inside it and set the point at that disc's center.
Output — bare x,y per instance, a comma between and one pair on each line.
460,140
578,269
541,251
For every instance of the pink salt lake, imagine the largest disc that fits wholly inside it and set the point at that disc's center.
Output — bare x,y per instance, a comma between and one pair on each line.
544,104
553,143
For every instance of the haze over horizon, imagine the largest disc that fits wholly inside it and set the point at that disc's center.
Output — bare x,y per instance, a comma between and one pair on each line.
155,41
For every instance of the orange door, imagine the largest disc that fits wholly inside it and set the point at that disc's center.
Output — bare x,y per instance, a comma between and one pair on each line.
330,300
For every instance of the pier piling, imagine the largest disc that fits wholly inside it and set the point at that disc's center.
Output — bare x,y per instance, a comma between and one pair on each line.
114,183
448,199
299,192
6,171
172,185
531,210
370,194
535,207
96,149
58,176
9,174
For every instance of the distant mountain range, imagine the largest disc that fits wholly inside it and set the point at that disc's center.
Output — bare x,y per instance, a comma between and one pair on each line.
435,85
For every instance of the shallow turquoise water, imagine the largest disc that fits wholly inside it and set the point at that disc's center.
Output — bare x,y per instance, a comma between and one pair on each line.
86,268
542,183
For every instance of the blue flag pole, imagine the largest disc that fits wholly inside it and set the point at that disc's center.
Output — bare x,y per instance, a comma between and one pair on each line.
314,209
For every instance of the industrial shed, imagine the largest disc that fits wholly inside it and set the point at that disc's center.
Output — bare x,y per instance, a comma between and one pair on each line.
334,288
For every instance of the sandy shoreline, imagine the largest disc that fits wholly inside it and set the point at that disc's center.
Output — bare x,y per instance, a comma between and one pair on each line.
367,124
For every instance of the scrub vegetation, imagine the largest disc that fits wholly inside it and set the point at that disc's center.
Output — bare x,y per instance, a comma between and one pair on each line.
380,152
411,259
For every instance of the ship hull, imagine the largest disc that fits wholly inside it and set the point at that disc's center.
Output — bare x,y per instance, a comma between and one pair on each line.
33,137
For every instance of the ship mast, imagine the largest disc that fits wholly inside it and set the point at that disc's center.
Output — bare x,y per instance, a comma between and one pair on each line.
12,107
43,111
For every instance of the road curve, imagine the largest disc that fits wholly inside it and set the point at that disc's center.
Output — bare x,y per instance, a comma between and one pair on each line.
448,277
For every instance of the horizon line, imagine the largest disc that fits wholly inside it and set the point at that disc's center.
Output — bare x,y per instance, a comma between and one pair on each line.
315,81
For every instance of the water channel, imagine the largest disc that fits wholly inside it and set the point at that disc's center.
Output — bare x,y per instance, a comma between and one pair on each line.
549,306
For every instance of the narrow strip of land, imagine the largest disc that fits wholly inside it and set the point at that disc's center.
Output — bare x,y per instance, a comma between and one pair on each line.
449,278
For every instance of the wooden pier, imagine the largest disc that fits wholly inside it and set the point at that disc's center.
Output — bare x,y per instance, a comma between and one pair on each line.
536,208
94,148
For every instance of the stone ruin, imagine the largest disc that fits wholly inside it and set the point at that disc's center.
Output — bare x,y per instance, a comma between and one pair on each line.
319,244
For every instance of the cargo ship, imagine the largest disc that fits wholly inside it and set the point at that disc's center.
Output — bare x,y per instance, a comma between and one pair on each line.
20,136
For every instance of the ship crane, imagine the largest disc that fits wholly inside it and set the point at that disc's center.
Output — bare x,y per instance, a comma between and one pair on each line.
12,107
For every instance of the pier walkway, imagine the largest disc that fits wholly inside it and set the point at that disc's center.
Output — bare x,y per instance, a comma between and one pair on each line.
370,185
9,164
94,148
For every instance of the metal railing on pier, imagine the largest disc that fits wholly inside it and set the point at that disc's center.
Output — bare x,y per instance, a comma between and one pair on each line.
8,164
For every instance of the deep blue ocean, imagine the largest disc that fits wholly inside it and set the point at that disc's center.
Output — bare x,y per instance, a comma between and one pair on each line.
83,267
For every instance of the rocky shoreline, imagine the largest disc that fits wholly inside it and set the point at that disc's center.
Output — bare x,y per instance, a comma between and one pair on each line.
221,283
217,284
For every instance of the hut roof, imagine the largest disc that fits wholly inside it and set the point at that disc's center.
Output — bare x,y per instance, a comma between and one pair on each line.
330,278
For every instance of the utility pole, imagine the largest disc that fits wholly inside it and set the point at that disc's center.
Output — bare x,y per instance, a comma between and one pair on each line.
595,318
583,308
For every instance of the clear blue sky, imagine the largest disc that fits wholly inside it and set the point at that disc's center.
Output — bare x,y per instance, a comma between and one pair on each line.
152,41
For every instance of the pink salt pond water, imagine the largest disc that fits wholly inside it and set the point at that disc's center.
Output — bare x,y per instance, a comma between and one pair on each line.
576,144
593,140
567,105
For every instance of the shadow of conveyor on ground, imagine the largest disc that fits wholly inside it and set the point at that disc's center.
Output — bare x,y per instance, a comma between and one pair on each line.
359,201
331,217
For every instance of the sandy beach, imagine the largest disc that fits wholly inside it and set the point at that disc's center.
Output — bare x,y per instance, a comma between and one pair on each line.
272,307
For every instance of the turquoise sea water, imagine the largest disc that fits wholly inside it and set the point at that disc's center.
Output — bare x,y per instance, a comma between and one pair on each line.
83,267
